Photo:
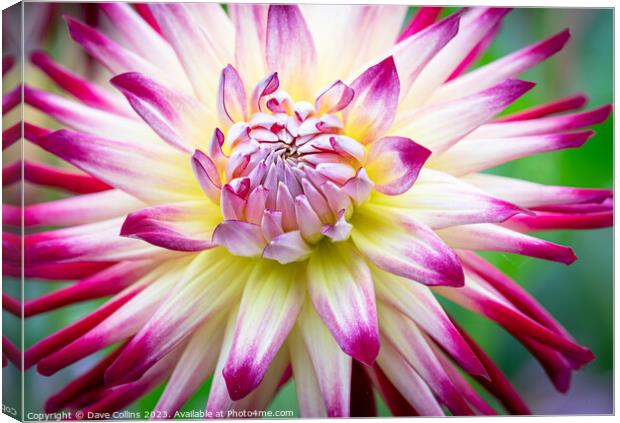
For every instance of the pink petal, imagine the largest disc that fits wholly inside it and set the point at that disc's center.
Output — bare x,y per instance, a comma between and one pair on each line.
231,100
341,289
115,58
141,37
207,174
95,241
194,367
408,381
475,24
507,67
427,126
179,227
340,230
334,98
545,125
573,102
250,23
530,194
440,200
109,281
473,155
78,210
496,382
423,18
413,54
489,237
306,382
394,163
82,89
376,99
240,238
288,247
415,348
265,86
176,118
359,187
405,247
309,222
289,48
70,181
151,174
87,119
206,287
269,307
72,343
419,304
331,365
199,55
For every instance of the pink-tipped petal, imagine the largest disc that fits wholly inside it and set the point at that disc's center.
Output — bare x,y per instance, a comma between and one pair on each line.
474,155
440,126
423,18
440,200
405,247
290,48
331,365
489,237
174,117
376,98
394,163
508,66
566,104
341,289
271,301
180,227
151,174
85,91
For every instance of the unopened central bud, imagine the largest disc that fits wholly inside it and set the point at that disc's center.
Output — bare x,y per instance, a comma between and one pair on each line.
293,176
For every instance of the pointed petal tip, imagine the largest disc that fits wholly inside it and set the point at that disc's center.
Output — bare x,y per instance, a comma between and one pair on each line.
365,347
240,381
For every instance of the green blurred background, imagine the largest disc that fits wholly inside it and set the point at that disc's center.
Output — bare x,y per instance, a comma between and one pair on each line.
580,296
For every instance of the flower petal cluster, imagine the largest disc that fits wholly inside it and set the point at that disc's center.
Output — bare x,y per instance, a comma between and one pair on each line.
279,192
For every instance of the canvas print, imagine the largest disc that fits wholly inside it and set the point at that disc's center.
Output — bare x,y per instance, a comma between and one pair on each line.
287,211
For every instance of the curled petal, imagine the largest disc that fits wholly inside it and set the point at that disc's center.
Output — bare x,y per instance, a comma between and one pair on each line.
240,238
231,100
207,174
266,86
339,231
334,98
287,248
359,187
394,163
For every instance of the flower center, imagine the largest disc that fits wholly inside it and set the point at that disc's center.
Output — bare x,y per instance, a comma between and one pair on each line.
293,175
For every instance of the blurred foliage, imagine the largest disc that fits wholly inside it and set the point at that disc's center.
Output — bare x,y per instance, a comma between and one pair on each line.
579,296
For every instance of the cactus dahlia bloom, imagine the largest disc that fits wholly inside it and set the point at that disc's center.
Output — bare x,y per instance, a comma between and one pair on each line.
279,192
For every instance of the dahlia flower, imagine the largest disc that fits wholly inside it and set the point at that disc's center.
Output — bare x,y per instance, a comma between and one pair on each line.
274,192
